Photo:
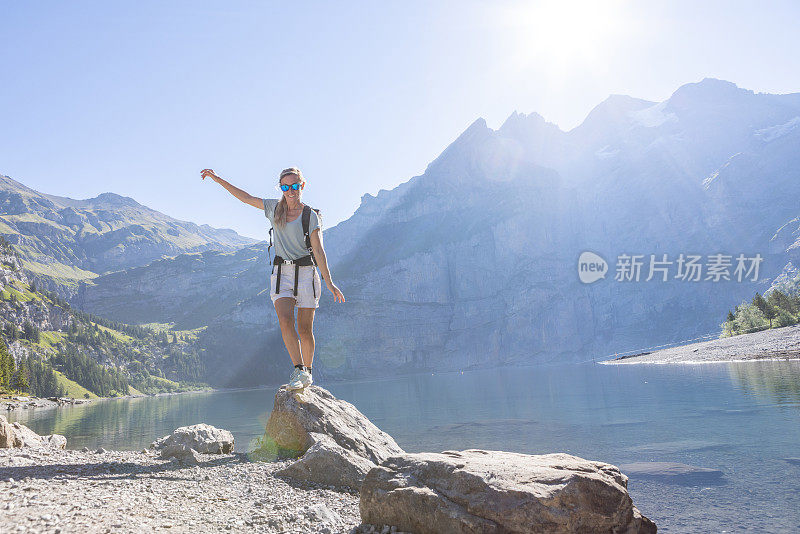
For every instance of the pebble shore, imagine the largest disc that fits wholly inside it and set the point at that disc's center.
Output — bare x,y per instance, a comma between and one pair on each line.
774,344
23,403
60,491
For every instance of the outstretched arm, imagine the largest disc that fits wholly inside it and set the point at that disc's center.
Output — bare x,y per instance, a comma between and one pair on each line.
245,197
322,262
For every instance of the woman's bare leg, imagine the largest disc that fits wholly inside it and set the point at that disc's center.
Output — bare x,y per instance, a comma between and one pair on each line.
284,307
305,327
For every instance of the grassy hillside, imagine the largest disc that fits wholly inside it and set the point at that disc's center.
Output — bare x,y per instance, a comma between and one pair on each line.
61,351
63,241
73,389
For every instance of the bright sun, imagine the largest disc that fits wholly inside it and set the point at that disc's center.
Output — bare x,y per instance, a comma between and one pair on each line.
561,35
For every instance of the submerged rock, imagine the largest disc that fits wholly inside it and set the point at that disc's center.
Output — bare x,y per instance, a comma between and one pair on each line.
673,472
477,491
202,438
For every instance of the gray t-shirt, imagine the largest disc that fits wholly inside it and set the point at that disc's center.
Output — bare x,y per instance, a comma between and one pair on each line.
290,243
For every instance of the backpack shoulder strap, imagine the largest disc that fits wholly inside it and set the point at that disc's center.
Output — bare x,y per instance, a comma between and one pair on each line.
306,223
272,227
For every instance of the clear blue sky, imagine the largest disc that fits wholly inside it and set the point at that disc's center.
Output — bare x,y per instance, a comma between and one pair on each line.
137,97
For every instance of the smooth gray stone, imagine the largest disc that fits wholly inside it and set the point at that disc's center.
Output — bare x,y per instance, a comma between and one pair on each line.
202,438
476,491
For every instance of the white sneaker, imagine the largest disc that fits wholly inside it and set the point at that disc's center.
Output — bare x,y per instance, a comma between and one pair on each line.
294,379
305,378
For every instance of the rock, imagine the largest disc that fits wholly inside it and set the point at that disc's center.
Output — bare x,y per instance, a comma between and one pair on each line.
202,438
338,444
673,472
296,414
476,491
8,436
181,452
319,513
16,435
55,441
28,437
325,462
100,450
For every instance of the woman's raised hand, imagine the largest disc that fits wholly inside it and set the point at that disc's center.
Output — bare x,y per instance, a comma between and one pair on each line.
206,173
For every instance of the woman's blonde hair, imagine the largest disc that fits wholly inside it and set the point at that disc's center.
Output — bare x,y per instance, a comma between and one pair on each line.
282,209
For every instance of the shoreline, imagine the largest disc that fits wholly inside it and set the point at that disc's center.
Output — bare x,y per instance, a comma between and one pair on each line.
699,362
771,345
20,402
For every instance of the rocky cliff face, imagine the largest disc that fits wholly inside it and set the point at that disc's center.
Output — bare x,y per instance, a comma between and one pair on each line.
474,263
14,281
64,241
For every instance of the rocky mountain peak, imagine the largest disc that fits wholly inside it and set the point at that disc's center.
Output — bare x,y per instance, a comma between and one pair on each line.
527,127
612,111
708,94
709,88
113,200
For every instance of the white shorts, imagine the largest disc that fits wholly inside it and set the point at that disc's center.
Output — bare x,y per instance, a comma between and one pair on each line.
305,292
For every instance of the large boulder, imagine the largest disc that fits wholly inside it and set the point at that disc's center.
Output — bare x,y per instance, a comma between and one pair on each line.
325,462
8,436
202,438
477,491
297,414
17,435
338,444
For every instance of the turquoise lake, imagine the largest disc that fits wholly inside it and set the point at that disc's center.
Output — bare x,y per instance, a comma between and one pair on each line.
740,418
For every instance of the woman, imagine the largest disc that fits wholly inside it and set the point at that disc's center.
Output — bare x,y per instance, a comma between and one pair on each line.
293,263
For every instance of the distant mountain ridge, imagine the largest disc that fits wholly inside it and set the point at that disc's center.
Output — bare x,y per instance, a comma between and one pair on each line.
63,241
474,262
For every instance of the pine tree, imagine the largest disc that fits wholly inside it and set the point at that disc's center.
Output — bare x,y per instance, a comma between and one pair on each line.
781,300
765,308
7,366
20,380
730,324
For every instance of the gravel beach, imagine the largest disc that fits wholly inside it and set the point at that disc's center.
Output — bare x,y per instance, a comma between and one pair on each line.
774,344
52,490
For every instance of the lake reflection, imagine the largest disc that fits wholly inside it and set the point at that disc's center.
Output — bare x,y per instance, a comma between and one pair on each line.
739,418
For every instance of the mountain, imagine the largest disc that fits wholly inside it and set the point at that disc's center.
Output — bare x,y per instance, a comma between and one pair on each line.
62,351
474,262
63,241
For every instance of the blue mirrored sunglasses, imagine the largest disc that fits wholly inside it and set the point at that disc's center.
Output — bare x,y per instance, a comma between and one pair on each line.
286,187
